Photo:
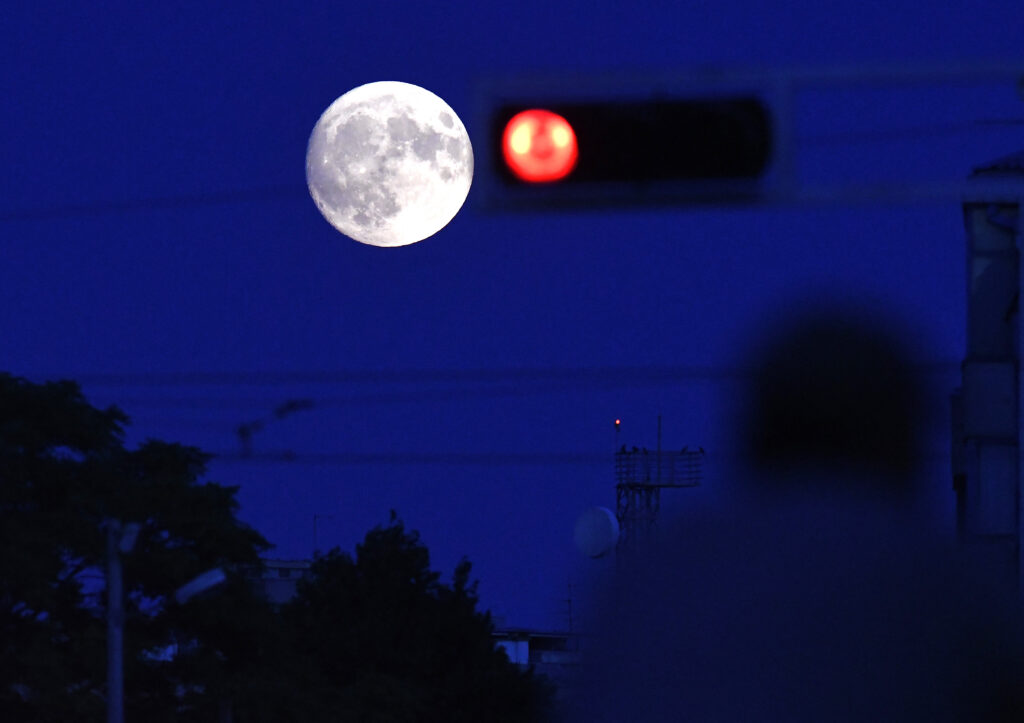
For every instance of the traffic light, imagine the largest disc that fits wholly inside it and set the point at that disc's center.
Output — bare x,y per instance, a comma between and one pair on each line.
539,146
552,152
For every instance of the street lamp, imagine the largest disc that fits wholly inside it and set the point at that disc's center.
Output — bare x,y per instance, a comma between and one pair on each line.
120,541
198,584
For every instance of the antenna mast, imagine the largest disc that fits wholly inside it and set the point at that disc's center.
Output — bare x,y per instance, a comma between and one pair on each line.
640,476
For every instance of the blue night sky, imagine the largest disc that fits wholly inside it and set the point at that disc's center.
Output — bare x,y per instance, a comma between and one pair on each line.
160,246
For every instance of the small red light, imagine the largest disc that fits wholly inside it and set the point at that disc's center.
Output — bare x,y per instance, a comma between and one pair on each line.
617,422
539,146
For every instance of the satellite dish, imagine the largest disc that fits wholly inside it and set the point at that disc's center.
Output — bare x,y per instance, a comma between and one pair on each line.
597,531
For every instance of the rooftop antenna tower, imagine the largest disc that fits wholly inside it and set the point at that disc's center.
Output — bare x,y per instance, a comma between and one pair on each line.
640,477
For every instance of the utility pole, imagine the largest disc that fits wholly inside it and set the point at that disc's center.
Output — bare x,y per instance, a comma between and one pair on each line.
120,540
316,518
568,602
640,477
115,627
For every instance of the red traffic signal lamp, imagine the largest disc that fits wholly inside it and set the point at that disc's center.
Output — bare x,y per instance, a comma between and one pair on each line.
628,152
539,146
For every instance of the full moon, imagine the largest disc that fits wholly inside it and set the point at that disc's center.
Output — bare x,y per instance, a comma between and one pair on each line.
389,164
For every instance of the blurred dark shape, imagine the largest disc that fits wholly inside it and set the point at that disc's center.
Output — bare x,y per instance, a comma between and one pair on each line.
818,589
836,389
291,406
245,432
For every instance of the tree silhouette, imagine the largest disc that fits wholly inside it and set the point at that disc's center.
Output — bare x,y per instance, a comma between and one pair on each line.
64,469
375,637
378,637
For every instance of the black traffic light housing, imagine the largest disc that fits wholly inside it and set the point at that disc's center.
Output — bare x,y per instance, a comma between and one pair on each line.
656,140
641,141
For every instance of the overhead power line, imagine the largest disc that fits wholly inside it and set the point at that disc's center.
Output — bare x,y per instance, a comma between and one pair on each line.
157,203
404,376
499,459
884,135
453,459
407,396
659,373
292,191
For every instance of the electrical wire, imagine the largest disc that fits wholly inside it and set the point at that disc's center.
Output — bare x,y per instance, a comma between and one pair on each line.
455,459
444,459
596,374
295,192
157,203
906,133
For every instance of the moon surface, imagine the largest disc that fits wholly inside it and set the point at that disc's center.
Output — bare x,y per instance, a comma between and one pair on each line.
389,164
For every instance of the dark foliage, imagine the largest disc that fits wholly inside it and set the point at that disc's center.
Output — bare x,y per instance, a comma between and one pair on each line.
63,471
378,637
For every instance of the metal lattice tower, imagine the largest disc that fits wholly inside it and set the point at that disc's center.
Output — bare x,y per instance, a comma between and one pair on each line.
640,476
